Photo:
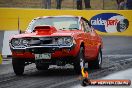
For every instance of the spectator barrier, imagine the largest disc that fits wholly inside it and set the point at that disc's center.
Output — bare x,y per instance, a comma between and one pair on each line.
103,20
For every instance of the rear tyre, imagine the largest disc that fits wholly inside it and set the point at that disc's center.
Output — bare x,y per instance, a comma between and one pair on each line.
79,62
18,66
97,64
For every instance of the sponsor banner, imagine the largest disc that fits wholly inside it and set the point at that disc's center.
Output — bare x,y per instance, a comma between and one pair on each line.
109,22
106,22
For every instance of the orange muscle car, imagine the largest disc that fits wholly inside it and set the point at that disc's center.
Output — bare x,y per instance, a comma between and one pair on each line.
57,40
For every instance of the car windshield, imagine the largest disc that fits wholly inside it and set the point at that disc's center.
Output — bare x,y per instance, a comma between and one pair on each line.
60,23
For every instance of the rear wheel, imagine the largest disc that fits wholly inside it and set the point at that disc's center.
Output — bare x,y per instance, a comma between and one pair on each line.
18,66
79,62
97,64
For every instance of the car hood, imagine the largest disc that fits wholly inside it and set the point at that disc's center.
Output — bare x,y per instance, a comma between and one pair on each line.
57,33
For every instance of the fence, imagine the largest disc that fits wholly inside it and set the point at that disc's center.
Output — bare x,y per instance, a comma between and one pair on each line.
66,4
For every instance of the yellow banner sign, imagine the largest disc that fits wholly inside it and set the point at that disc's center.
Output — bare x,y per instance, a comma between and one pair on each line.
106,26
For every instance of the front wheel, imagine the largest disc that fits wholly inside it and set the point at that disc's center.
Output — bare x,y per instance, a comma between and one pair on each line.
79,62
18,66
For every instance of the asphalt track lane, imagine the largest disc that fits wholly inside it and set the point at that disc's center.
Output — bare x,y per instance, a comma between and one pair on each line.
117,45
116,54
55,78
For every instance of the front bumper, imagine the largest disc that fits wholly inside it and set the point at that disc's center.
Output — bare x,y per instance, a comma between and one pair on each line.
42,49
56,51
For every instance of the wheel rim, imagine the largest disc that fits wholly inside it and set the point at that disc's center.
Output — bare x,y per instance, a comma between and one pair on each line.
99,58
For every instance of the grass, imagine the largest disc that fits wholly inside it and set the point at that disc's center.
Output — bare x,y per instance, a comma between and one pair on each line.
66,4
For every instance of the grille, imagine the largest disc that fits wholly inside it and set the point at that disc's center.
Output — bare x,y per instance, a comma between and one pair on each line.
41,41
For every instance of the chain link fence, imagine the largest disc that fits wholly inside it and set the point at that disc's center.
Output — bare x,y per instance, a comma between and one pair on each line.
66,4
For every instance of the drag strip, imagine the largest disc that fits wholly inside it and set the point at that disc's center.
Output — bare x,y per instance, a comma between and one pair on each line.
116,57
60,77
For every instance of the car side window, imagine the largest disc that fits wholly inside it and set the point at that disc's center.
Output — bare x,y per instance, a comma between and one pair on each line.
87,27
83,26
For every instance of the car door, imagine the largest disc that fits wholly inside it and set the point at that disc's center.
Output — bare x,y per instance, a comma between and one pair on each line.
87,41
90,40
93,39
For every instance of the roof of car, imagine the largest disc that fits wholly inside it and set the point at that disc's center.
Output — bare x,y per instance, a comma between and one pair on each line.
58,16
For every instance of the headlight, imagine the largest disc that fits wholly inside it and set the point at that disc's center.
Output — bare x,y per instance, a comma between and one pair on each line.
15,42
24,42
68,41
19,42
60,41
65,41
